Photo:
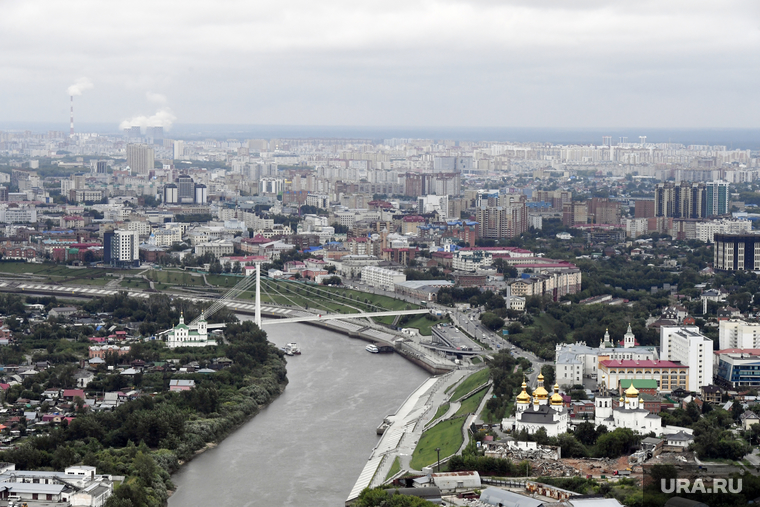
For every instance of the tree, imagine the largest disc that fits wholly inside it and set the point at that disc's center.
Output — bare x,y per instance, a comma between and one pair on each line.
616,443
547,371
736,410
492,321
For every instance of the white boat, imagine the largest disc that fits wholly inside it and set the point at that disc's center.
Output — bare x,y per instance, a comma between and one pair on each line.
291,349
372,348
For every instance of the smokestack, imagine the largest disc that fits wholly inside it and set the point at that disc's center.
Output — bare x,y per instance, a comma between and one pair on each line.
71,131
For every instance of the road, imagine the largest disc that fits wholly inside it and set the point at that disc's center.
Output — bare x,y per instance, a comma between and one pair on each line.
469,321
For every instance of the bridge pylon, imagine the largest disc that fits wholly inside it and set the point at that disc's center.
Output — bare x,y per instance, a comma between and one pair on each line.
257,317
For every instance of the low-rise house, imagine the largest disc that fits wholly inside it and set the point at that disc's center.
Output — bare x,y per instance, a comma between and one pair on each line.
181,385
62,311
748,418
677,442
72,394
711,394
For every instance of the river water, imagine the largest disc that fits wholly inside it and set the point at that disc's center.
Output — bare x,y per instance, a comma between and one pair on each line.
309,446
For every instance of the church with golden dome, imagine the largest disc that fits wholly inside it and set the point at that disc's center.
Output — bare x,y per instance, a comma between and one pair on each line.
541,410
627,412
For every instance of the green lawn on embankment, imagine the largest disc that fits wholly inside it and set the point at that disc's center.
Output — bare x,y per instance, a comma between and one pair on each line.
441,410
395,468
478,378
446,435
471,404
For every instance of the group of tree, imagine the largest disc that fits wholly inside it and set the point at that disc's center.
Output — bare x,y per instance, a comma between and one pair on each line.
146,438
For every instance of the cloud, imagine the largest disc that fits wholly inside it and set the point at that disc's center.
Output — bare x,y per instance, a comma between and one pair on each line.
82,84
390,62
162,118
156,98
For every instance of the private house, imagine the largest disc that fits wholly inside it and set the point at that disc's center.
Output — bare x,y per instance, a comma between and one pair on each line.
181,385
62,311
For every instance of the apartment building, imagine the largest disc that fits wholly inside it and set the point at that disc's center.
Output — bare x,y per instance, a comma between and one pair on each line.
706,231
471,260
121,248
218,248
556,284
688,346
737,334
382,278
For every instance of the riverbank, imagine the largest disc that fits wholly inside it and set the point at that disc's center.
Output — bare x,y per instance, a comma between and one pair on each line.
146,438
308,447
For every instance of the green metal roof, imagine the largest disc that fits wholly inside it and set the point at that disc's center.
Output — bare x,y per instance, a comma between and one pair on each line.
638,383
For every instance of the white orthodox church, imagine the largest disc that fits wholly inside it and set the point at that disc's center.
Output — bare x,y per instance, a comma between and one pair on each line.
542,411
629,340
629,412
183,335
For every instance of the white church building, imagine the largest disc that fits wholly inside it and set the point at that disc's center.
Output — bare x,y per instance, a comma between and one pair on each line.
628,412
541,411
194,335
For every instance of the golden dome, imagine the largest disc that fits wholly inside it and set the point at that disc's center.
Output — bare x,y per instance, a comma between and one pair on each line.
622,400
556,398
523,397
540,393
631,392
540,376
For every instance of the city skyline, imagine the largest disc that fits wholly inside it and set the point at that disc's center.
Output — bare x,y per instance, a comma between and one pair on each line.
410,64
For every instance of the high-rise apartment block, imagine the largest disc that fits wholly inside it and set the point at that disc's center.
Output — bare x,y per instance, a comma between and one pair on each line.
140,158
121,248
717,198
574,213
603,211
691,200
737,334
508,220
645,208
688,346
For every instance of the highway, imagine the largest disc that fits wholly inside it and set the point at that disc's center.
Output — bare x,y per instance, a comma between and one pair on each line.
469,321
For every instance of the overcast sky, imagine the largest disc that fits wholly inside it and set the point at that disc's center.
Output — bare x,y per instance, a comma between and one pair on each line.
532,63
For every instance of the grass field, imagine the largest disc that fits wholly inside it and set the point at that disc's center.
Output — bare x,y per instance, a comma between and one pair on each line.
169,278
446,435
441,410
476,379
422,323
471,404
134,283
395,468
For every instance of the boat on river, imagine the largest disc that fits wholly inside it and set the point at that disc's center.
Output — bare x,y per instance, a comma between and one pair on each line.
292,349
372,348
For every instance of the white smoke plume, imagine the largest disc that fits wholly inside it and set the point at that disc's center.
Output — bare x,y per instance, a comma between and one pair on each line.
81,85
162,118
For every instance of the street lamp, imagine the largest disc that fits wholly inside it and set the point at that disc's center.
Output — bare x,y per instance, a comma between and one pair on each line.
438,450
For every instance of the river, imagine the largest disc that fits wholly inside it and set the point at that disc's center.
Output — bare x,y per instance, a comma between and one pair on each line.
309,446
